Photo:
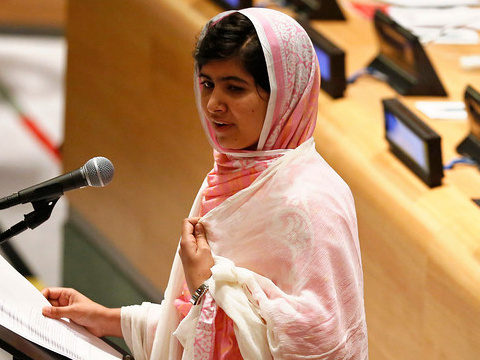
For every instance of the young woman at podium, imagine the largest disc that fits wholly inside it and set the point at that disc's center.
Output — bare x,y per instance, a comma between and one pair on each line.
269,261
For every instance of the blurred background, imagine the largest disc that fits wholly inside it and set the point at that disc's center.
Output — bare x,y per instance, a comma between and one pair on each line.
32,75
33,57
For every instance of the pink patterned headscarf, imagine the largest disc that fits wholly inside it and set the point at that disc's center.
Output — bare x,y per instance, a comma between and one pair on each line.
294,77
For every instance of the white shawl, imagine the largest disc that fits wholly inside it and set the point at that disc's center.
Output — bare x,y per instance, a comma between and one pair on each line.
287,271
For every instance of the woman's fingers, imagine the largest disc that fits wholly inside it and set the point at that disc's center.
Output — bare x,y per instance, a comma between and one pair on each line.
193,234
57,312
199,233
195,253
59,296
70,304
188,239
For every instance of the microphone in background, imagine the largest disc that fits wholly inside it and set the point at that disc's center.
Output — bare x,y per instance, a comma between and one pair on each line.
96,172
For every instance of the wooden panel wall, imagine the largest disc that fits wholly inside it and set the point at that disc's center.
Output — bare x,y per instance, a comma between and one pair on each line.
33,12
130,98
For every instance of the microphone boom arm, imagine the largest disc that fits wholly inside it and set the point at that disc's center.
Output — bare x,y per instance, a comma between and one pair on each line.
42,211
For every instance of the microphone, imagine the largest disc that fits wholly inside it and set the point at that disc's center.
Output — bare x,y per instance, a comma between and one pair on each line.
96,172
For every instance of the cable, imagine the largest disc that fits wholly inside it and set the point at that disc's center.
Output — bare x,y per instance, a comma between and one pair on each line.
367,71
462,160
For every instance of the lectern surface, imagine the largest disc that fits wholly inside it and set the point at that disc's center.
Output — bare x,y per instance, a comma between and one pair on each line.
14,345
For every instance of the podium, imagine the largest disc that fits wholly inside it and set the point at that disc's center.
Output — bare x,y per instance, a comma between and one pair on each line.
20,348
23,349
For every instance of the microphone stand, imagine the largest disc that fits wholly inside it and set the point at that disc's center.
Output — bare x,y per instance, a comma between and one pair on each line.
42,211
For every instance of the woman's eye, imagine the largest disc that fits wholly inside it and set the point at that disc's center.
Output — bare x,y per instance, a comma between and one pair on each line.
235,88
207,84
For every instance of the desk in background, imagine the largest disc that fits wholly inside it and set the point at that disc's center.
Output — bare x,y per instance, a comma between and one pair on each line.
420,246
32,13
130,98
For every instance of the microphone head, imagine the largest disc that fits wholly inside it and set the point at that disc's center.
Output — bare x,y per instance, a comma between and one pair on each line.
98,171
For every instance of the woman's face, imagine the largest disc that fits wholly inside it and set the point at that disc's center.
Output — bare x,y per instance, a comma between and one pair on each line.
233,104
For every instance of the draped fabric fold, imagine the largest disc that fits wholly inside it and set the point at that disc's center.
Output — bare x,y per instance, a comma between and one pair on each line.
291,280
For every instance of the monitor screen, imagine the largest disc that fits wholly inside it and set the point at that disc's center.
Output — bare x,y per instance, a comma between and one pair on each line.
317,9
403,60
398,47
400,134
331,60
472,103
324,61
470,146
234,4
413,142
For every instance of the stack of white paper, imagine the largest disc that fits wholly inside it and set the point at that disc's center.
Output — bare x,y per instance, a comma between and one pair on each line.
21,312
447,110
431,3
439,21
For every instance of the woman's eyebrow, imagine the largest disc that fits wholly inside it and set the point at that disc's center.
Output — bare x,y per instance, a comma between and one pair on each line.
225,78
234,78
204,75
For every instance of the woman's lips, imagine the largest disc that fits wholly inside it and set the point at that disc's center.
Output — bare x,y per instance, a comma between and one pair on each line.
220,125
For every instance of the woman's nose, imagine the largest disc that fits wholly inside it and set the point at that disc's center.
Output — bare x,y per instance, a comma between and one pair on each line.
216,102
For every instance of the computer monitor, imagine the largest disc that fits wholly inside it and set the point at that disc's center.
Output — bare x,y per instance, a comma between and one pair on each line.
332,62
470,146
234,4
413,142
403,60
317,9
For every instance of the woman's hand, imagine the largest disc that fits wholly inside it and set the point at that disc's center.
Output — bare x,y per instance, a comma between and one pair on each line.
70,304
195,253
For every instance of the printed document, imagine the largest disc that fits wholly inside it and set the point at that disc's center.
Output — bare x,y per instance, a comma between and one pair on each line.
21,312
